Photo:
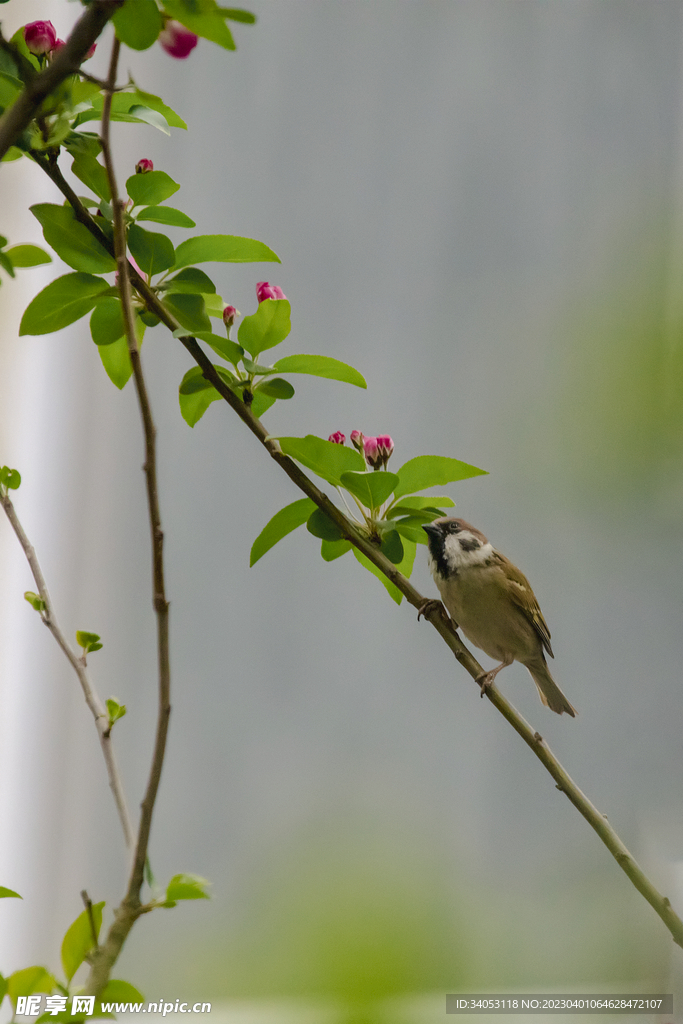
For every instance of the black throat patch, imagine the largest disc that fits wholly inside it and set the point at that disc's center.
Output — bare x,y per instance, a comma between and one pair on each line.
436,550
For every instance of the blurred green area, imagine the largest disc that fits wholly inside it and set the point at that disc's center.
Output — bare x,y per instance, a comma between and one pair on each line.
356,915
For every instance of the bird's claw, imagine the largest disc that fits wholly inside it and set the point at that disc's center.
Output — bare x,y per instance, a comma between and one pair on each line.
430,605
485,680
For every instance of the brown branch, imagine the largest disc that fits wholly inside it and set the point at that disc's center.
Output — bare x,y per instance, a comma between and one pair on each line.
78,664
534,741
67,62
131,907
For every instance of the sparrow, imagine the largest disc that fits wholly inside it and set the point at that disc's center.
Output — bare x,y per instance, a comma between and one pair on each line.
493,603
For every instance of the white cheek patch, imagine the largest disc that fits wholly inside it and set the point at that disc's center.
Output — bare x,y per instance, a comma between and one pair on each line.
463,550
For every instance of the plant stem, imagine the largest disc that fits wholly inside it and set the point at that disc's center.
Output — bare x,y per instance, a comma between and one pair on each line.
92,698
438,619
131,907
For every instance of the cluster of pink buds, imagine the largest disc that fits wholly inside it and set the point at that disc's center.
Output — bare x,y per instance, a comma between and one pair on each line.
177,40
41,40
377,450
144,166
268,291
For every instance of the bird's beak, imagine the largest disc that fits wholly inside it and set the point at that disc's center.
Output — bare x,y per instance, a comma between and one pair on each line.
431,529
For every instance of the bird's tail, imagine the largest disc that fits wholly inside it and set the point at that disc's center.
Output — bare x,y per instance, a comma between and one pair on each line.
548,690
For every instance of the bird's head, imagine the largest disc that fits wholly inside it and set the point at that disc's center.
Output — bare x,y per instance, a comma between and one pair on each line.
454,545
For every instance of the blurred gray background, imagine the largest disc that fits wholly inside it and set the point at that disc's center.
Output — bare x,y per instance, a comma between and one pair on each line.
479,206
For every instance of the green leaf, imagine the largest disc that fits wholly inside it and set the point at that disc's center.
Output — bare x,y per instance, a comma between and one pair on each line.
6,264
321,366
224,347
106,322
419,514
277,388
320,525
28,256
282,523
10,88
393,590
191,280
91,172
85,639
194,405
79,941
194,381
115,710
261,403
331,549
152,251
151,188
420,501
412,530
372,488
268,326
431,471
156,103
166,215
392,546
214,305
10,478
223,249
123,102
29,981
71,240
208,21
235,14
187,887
62,303
13,153
325,458
7,894
117,991
116,358
3,987
138,23
188,311
35,600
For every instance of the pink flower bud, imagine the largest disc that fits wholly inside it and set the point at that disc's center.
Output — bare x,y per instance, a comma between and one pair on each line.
337,438
91,52
229,314
268,291
177,40
40,36
144,166
372,454
386,447
357,440
56,48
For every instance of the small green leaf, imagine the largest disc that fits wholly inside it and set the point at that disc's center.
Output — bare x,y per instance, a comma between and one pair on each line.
204,18
393,590
117,991
156,103
419,501
321,366
225,348
261,403
412,530
282,523
320,525
152,251
79,940
213,304
325,458
29,981
235,14
138,23
373,489
3,987
151,188
63,301
85,639
71,240
194,381
222,249
10,88
28,256
194,405
166,215
6,264
268,326
91,172
278,387
115,710
331,549
10,478
34,600
116,358
188,311
421,515
13,153
431,471
392,547
187,887
7,894
106,322
191,280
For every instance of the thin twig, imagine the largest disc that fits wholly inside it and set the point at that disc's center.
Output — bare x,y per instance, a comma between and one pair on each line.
596,820
91,918
131,906
67,62
78,664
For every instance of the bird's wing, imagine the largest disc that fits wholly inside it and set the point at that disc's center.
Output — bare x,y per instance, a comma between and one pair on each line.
523,596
